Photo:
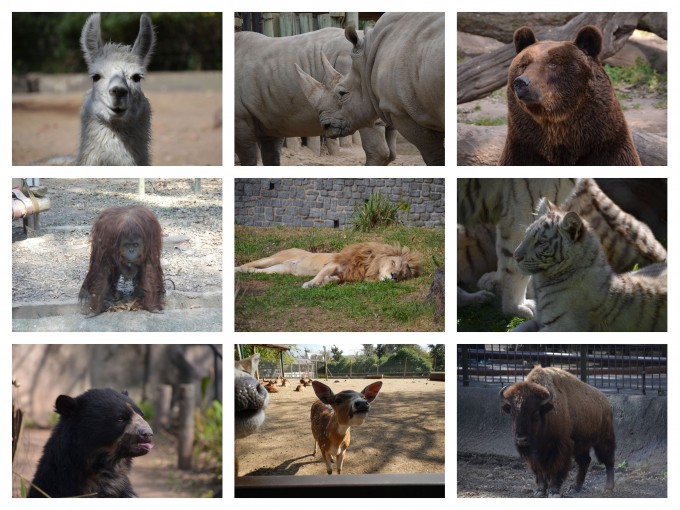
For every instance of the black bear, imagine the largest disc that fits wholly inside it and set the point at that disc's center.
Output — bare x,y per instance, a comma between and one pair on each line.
562,109
91,448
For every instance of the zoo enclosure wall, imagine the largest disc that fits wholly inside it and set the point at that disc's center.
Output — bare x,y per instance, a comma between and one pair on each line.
332,202
622,368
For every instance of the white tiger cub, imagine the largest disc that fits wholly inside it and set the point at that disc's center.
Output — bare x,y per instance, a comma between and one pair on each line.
576,289
509,204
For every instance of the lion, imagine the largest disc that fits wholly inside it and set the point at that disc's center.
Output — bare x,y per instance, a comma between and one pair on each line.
355,263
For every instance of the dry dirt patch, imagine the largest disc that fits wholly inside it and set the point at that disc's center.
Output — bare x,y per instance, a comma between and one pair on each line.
404,432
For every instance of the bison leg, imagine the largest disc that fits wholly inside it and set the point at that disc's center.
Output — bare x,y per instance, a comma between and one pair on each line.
605,454
583,461
541,486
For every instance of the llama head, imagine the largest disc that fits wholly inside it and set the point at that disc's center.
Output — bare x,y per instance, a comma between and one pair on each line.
117,71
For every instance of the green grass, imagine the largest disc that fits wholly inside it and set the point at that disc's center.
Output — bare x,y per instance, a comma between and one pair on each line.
279,303
487,121
640,76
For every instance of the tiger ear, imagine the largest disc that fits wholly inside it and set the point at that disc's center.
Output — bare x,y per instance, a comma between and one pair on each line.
572,224
544,205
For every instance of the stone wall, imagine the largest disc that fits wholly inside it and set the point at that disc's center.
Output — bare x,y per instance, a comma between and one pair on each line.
331,202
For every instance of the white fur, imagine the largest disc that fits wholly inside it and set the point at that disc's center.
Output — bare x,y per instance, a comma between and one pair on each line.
116,116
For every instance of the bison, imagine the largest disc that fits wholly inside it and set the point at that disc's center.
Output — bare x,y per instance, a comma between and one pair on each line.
556,417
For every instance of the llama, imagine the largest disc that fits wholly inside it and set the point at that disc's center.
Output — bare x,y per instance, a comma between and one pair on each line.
116,116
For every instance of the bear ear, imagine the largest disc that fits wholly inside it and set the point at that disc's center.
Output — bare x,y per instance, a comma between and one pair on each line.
523,37
65,405
589,40
125,392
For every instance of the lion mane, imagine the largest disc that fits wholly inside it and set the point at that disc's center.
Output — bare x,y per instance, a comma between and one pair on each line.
365,261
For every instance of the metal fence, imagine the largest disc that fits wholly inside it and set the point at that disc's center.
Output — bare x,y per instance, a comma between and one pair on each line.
315,369
637,368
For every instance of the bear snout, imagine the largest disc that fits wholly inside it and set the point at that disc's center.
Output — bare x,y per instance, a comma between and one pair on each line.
521,86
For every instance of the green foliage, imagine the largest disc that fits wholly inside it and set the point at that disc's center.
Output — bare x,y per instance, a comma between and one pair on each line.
377,212
336,353
409,358
438,356
208,435
486,121
148,410
49,42
641,76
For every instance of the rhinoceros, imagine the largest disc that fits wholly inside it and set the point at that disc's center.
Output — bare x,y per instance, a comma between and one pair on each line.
397,75
269,103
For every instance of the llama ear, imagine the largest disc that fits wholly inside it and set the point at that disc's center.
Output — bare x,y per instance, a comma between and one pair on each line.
91,38
146,39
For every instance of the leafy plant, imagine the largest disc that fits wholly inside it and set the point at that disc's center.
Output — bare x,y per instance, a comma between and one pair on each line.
208,435
377,211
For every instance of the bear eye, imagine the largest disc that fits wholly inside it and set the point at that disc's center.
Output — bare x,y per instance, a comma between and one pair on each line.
552,65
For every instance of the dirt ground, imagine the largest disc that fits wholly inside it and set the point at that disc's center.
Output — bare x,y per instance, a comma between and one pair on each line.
185,125
52,264
407,155
154,475
640,113
404,432
495,476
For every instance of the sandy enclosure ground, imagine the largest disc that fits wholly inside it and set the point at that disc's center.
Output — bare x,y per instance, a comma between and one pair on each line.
186,126
404,432
494,476
407,155
52,264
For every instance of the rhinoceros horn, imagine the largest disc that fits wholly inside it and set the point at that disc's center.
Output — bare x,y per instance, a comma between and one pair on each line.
332,77
312,89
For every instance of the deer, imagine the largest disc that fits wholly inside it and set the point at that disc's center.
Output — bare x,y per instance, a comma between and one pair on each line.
332,417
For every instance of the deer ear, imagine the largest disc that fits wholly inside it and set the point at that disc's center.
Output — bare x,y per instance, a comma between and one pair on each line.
322,391
371,391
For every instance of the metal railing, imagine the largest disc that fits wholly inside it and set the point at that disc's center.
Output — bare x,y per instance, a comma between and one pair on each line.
638,368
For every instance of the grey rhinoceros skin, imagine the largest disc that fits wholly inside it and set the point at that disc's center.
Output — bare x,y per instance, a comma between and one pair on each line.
269,103
397,75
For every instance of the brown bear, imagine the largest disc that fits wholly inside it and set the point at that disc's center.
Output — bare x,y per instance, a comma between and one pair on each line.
561,105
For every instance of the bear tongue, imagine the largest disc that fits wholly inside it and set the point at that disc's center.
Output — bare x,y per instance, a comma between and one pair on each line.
145,446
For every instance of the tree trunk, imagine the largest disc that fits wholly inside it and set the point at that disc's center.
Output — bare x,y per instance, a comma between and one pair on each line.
481,75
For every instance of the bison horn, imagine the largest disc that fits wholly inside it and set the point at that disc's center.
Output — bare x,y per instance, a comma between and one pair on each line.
500,393
548,398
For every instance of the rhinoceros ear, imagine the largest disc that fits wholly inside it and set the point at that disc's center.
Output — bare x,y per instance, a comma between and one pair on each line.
312,89
352,36
332,77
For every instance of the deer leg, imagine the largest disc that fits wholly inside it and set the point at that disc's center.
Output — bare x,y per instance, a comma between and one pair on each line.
327,459
340,458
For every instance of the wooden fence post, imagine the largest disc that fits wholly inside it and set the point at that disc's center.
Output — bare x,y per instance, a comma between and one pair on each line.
186,425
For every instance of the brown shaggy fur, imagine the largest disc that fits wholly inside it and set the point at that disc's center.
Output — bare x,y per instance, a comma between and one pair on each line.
555,417
365,261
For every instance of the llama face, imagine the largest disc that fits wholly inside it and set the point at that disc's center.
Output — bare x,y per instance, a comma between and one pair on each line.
115,121
117,72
